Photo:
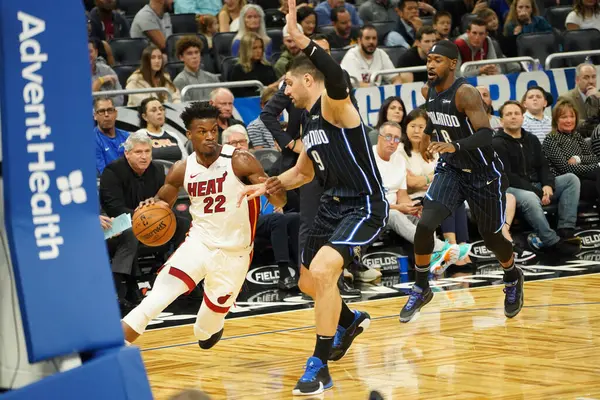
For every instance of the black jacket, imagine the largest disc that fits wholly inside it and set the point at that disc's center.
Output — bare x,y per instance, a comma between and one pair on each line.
122,190
121,26
524,161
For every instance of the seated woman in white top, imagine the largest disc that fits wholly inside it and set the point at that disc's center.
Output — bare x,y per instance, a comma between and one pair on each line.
585,15
229,16
165,145
151,74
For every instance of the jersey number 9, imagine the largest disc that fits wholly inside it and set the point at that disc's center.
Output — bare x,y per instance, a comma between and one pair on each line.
318,160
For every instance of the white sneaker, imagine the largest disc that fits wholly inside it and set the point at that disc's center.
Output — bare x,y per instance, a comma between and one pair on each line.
368,275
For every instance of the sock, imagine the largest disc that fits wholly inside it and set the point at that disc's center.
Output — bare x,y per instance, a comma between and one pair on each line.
422,277
323,348
346,316
284,271
510,273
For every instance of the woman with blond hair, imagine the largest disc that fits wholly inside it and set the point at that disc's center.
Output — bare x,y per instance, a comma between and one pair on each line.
252,19
567,151
252,65
523,17
229,20
151,74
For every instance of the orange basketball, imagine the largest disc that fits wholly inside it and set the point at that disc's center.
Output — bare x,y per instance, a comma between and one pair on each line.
154,225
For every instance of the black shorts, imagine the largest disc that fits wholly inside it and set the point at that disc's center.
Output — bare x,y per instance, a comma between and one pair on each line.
345,225
484,190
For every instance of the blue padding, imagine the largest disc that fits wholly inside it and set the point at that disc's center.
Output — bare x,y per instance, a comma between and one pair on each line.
116,375
63,277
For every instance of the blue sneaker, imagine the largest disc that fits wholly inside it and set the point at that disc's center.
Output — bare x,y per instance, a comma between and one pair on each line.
344,337
416,300
513,295
315,380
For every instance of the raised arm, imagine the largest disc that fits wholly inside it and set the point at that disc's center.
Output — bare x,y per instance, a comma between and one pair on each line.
336,106
246,166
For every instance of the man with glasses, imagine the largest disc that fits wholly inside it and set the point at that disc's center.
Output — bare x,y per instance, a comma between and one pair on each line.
405,212
109,140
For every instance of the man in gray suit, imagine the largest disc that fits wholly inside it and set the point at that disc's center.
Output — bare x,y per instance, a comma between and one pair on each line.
586,98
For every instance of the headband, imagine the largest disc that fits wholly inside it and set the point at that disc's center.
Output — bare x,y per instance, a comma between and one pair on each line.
445,48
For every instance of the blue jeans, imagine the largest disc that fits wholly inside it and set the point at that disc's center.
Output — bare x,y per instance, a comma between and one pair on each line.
566,192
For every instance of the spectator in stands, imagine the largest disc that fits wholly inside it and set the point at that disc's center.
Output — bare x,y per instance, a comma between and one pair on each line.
104,49
344,34
208,25
277,18
420,166
491,22
165,145
154,23
252,65
229,16
364,60
586,98
258,133
106,22
222,99
585,15
279,228
475,45
198,7
535,100
567,151
523,17
408,25
377,11
237,136
103,76
416,56
307,17
252,19
325,15
132,179
151,74
404,213
290,52
392,110
532,183
109,140
495,122
442,23
189,50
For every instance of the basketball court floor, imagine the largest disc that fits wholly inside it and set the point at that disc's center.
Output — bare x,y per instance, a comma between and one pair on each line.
460,347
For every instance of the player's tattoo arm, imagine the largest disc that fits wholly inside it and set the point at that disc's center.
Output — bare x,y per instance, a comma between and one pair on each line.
246,166
468,100
300,174
174,180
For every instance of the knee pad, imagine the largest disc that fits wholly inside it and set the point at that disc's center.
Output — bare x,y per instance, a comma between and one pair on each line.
208,323
433,215
498,244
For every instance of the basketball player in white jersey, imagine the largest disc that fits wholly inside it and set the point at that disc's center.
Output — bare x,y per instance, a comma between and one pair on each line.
220,241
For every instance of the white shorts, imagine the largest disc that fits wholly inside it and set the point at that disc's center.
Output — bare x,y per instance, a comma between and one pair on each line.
223,271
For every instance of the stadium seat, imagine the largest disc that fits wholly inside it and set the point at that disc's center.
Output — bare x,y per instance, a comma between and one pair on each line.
268,158
272,18
226,68
383,28
537,45
465,21
131,7
276,36
124,72
338,54
174,68
222,47
580,40
325,29
395,52
184,23
557,16
427,20
128,51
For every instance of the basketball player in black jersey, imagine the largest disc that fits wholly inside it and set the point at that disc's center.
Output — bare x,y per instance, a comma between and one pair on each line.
353,209
468,169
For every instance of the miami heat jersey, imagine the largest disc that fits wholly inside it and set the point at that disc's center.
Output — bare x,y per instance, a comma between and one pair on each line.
451,125
213,193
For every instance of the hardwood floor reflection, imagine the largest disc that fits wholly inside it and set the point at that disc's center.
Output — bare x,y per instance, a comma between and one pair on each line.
460,347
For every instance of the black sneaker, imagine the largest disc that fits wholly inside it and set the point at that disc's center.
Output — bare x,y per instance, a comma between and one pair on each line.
345,289
513,295
344,337
416,300
287,284
316,379
211,341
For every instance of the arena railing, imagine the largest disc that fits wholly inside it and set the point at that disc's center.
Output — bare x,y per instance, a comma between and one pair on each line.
110,93
534,62
569,54
397,71
252,83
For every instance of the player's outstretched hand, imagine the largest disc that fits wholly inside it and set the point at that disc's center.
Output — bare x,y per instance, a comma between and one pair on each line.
441,147
251,191
291,18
